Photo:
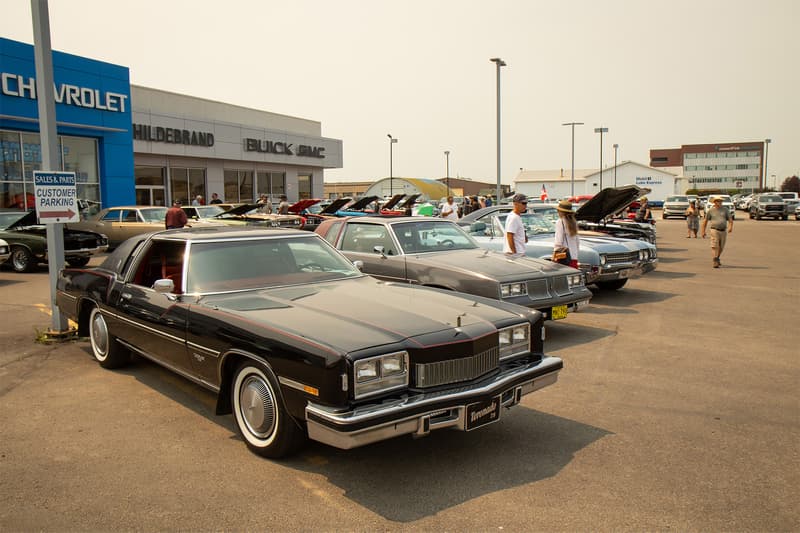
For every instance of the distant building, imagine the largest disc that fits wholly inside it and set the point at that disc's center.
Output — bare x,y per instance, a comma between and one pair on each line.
720,166
558,183
428,189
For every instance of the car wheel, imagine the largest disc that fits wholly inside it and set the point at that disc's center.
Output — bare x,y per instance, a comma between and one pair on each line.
261,418
22,259
758,216
751,215
77,262
105,348
785,217
612,285
663,216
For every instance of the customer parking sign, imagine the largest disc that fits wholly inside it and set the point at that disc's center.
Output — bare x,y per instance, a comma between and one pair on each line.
56,197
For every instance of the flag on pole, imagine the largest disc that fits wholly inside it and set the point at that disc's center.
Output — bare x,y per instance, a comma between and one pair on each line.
543,195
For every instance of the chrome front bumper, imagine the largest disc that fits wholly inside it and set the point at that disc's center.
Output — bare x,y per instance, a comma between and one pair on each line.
422,413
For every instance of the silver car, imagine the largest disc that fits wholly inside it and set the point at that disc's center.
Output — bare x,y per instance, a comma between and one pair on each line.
675,206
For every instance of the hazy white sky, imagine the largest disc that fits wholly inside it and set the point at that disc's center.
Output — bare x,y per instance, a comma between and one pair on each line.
656,74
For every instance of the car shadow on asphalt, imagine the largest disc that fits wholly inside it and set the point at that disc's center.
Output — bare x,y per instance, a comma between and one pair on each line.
406,479
665,274
564,334
625,297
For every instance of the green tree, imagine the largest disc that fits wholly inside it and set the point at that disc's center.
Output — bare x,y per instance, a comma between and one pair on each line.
791,184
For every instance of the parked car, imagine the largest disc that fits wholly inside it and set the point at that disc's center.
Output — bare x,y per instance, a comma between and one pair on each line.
120,223
675,206
788,195
438,253
797,212
5,251
597,214
250,215
295,341
27,240
607,262
768,205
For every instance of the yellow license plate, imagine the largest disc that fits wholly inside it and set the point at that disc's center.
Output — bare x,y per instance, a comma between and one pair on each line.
557,312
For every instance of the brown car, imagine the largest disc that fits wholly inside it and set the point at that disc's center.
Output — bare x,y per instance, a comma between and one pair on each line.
121,222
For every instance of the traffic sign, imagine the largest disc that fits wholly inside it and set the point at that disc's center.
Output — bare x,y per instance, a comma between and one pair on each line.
56,197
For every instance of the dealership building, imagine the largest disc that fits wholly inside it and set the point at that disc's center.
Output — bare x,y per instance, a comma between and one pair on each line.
138,145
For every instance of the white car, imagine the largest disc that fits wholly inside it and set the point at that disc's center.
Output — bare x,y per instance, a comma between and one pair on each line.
675,206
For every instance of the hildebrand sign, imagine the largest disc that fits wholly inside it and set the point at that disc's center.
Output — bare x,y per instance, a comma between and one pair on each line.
270,147
142,132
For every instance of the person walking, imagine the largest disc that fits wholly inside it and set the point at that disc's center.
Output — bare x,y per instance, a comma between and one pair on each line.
449,209
514,243
175,217
283,206
719,218
692,219
566,245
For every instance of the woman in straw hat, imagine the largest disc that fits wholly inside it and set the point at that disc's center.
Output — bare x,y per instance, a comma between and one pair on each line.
566,241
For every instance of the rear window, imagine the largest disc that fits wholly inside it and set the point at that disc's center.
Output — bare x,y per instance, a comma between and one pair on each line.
677,198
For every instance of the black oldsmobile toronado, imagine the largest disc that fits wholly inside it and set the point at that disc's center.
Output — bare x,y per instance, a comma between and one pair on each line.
297,342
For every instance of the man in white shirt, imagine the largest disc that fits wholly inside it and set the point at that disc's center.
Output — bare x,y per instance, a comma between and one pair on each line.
449,209
514,243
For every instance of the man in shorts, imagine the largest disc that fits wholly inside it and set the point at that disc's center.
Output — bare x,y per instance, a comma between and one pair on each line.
720,219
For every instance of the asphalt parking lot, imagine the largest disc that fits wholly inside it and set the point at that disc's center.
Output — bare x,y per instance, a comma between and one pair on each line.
678,409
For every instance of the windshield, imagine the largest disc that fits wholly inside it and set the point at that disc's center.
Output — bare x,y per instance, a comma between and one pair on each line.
772,198
535,224
677,198
156,214
264,262
9,217
432,236
208,211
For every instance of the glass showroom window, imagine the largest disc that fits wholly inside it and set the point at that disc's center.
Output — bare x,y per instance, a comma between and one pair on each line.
239,186
187,183
79,155
273,184
150,185
12,186
303,187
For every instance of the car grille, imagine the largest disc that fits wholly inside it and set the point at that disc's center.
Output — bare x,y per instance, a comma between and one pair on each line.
455,370
625,257
537,289
776,208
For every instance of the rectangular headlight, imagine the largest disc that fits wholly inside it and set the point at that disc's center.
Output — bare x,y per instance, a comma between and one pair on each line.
575,280
508,290
380,374
514,340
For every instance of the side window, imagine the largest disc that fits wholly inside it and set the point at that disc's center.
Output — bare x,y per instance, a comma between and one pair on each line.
363,238
112,216
129,215
161,260
333,231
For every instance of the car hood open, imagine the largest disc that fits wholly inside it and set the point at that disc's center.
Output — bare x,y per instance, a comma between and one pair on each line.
300,206
608,202
334,206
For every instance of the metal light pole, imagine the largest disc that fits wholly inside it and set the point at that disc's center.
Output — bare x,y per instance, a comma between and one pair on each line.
392,140
498,63
615,163
447,169
766,156
601,131
573,124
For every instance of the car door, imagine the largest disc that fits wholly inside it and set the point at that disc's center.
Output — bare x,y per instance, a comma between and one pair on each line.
359,241
155,322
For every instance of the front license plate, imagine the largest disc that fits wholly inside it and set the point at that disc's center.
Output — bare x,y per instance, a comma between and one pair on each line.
558,312
482,413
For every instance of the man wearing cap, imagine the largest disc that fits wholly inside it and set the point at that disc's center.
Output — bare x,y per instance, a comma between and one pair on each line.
176,217
719,217
514,243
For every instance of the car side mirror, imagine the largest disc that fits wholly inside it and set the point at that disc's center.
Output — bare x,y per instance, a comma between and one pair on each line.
378,249
359,264
164,286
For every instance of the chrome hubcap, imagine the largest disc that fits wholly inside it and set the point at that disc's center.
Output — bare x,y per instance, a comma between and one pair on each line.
99,335
257,407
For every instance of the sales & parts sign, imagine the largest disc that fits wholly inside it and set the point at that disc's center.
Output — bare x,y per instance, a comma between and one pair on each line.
56,197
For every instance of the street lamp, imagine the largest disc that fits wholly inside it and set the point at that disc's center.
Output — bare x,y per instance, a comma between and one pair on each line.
573,124
447,169
766,156
498,63
392,140
601,131
615,163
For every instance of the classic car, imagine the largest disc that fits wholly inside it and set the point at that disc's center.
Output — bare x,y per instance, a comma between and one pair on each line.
768,205
122,222
27,240
594,216
438,253
306,208
606,261
357,208
5,251
250,215
296,342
